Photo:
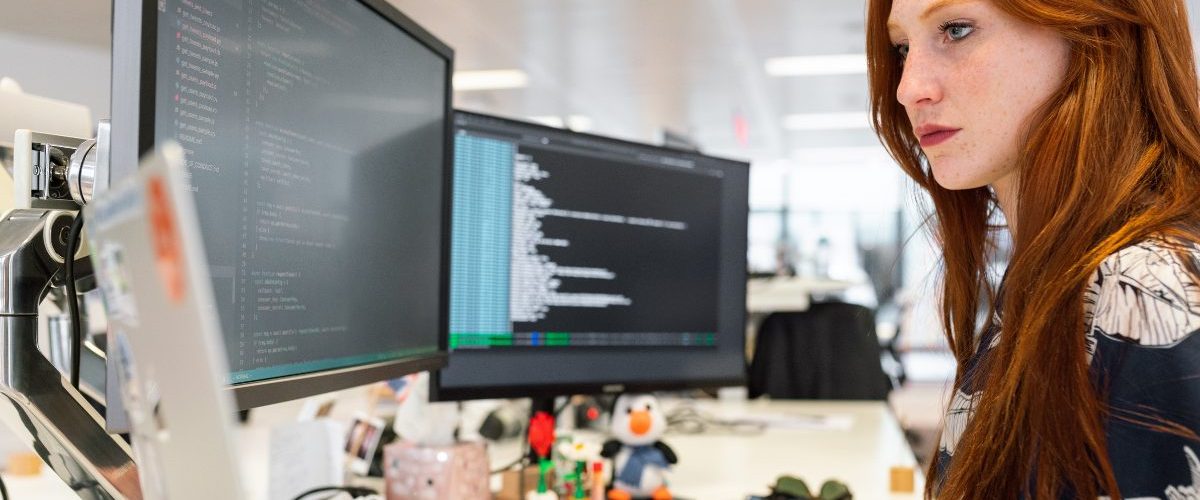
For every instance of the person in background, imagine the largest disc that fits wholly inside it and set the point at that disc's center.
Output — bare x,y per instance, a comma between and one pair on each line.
1078,120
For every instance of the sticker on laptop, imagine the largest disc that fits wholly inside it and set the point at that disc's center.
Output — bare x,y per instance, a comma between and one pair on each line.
164,232
114,279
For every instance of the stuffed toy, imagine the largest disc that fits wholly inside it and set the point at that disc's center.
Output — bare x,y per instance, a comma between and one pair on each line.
640,460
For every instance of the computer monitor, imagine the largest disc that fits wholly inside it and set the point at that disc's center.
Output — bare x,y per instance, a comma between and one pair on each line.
583,264
317,138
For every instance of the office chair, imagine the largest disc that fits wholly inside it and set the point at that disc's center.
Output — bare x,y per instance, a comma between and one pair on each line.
830,351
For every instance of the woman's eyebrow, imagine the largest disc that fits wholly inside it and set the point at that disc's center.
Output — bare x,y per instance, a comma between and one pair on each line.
892,27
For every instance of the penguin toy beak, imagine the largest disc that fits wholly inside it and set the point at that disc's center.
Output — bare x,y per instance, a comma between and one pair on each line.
639,422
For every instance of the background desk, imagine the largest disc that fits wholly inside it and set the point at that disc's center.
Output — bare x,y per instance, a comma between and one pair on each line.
788,294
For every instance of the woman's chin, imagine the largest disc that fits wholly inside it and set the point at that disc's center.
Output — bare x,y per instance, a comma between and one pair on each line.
953,179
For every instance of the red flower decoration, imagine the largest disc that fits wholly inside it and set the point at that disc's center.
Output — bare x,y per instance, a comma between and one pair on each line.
541,433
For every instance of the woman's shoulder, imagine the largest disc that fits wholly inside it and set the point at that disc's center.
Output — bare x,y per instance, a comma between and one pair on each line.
1147,293
1143,352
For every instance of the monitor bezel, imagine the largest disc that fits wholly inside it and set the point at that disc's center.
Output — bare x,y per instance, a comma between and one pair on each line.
438,392
134,64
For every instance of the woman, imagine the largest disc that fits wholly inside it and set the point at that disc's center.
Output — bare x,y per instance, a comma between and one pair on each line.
1077,119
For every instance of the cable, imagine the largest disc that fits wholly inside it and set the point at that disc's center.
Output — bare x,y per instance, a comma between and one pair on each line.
558,411
354,491
73,299
687,419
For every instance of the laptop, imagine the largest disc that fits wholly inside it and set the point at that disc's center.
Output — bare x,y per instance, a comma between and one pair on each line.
149,260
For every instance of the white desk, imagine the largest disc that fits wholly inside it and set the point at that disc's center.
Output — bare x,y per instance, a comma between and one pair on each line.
727,467
724,466
711,467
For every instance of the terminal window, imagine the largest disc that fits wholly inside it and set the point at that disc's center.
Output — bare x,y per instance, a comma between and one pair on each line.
564,240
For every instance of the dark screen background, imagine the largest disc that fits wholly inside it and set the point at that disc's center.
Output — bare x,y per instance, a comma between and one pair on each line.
314,134
671,276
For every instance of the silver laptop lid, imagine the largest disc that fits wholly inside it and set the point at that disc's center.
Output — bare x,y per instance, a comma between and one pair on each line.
149,261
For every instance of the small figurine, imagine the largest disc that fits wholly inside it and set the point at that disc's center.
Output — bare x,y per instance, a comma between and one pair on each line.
543,491
541,439
598,481
640,460
579,453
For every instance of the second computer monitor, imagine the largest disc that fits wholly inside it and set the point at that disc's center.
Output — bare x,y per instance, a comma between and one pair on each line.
316,136
584,264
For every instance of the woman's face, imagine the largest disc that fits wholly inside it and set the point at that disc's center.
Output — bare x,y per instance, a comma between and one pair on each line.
973,77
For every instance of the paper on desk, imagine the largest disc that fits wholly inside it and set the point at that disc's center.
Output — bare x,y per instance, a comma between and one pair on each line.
798,420
304,455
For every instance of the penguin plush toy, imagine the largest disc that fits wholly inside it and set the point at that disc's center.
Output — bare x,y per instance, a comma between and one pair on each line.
640,460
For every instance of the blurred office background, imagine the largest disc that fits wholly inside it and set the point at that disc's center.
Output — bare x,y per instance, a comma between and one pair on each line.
779,82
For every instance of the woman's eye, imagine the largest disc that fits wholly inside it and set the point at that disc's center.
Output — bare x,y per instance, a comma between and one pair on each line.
902,51
957,31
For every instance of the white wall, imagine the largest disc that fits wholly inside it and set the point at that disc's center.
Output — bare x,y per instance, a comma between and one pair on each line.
62,70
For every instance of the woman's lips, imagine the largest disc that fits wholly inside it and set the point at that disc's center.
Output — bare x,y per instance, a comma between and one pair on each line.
935,137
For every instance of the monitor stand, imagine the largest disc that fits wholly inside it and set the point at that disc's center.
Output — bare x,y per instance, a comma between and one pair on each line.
545,404
46,412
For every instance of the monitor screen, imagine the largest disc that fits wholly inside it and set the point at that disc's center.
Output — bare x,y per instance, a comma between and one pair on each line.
316,137
584,264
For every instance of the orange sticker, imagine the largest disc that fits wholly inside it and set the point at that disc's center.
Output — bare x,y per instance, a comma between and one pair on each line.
168,249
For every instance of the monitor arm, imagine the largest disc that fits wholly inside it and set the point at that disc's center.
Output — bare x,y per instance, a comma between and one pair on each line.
39,404
36,401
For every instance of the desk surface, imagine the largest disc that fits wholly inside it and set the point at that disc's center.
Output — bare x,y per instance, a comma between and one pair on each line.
859,454
858,445
859,450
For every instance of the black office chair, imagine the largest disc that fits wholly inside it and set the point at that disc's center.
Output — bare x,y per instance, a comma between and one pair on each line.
829,351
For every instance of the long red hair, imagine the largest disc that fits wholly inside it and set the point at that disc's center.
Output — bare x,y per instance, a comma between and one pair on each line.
1112,157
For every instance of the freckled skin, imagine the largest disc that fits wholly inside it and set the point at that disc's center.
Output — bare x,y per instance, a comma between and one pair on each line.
988,83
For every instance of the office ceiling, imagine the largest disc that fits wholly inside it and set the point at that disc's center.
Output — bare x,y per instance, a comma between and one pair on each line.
631,67
635,67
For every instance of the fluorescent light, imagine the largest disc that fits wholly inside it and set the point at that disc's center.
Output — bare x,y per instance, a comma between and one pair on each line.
548,120
579,123
827,121
493,79
834,64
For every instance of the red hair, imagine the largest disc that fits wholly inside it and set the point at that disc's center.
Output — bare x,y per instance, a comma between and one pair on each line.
1111,158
